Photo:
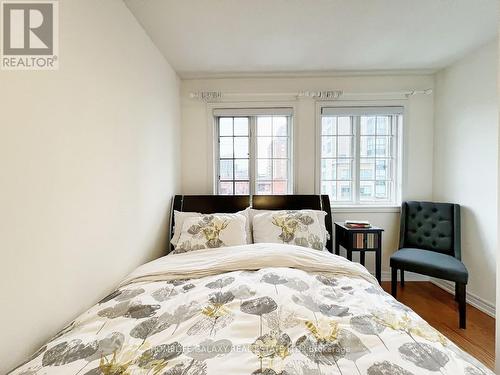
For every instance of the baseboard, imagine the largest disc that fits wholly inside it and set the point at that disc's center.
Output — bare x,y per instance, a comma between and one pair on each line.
472,299
448,286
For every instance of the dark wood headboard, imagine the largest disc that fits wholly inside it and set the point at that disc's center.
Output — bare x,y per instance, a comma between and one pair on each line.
207,204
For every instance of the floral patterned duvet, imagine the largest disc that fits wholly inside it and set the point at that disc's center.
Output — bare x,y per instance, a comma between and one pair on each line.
254,309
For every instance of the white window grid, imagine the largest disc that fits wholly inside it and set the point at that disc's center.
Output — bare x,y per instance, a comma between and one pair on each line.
252,156
355,180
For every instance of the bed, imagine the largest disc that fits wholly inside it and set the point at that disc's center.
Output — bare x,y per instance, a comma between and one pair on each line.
264,308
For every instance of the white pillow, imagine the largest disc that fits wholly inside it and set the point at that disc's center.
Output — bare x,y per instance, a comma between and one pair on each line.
248,225
180,216
212,231
300,228
321,215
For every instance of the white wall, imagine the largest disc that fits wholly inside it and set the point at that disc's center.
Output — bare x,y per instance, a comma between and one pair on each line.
466,159
497,320
89,160
197,136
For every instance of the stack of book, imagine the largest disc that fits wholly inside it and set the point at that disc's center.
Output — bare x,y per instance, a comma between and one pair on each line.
364,240
357,224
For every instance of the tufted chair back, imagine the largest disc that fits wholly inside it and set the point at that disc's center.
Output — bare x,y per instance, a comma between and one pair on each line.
431,226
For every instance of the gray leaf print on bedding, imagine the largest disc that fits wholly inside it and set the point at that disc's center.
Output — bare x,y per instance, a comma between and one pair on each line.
424,355
192,367
375,290
186,247
220,283
305,219
243,292
334,310
321,352
67,352
109,345
259,306
128,310
209,349
329,281
332,294
122,295
315,242
221,298
301,368
274,279
141,311
366,325
282,319
311,241
296,284
164,294
306,301
114,312
156,325
210,325
273,344
177,282
214,316
387,368
301,241
128,294
186,288
182,314
163,352
352,345
268,371
147,328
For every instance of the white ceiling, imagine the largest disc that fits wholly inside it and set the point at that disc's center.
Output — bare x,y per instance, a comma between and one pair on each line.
209,37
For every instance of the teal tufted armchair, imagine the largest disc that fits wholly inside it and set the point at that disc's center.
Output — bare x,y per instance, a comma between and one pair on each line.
429,244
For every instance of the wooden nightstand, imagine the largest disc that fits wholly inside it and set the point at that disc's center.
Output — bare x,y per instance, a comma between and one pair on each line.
362,240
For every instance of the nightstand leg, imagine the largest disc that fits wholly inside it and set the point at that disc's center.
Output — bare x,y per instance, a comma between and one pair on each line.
337,240
378,265
349,254
362,257
378,259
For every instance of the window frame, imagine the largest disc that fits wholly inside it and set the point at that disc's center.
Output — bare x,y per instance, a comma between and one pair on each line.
252,113
399,147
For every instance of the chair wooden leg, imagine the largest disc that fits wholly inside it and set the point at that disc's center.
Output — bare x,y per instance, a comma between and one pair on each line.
462,305
402,278
456,292
394,282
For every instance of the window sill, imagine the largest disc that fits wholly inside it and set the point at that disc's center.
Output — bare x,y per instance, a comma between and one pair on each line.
366,209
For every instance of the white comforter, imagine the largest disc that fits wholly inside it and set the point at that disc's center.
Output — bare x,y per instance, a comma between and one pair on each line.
254,309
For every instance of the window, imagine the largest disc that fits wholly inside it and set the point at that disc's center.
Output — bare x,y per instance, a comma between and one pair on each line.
254,152
360,155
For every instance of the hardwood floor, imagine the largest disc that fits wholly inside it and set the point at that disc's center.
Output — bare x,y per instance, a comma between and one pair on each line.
439,308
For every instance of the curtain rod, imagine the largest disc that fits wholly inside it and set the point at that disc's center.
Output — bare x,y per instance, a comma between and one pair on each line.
316,94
